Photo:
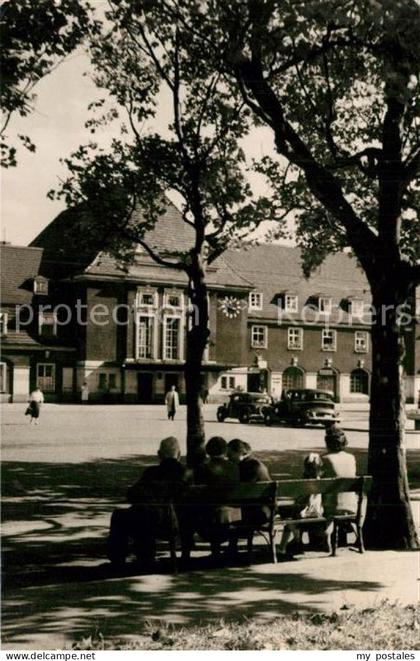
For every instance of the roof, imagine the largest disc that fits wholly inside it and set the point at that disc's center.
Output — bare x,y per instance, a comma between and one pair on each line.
275,269
19,266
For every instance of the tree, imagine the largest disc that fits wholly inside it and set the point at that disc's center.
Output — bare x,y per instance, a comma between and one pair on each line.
337,82
142,60
36,35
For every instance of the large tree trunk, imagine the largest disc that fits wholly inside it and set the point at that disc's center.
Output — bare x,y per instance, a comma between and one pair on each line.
197,338
389,520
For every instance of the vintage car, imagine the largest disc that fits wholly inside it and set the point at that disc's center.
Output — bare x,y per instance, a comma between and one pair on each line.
244,406
302,407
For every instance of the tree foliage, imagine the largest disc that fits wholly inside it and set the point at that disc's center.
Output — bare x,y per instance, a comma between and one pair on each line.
36,35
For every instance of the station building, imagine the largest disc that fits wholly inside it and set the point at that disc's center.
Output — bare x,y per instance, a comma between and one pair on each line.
72,316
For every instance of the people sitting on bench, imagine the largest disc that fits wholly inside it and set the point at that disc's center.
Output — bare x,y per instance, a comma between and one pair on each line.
250,468
151,515
338,463
305,507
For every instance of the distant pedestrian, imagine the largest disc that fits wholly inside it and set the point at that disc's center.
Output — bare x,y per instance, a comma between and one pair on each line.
36,399
85,392
205,395
172,402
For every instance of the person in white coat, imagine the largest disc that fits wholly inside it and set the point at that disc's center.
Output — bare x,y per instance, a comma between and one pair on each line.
172,402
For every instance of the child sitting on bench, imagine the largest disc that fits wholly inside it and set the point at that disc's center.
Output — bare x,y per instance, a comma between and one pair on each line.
305,507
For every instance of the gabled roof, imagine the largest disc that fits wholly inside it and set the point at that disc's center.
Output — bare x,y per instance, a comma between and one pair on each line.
19,266
274,269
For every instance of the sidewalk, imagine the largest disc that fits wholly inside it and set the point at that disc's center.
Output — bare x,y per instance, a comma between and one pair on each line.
53,615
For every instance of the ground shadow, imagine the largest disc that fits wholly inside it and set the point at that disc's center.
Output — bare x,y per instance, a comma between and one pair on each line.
55,521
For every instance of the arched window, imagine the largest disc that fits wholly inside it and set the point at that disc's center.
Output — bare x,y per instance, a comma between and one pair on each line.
293,377
359,381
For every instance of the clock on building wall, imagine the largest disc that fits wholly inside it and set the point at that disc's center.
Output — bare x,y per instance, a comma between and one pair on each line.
230,306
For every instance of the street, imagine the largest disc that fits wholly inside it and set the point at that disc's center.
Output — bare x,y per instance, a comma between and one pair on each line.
74,433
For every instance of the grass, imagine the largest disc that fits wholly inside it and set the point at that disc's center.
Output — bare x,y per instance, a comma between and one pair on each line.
387,626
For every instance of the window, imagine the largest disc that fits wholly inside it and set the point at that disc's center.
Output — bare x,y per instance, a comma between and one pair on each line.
361,341
3,377
295,339
174,300
3,323
255,301
146,299
290,303
359,382
329,340
356,308
259,337
103,381
107,381
145,336
292,378
45,376
41,286
172,337
325,304
228,383
47,324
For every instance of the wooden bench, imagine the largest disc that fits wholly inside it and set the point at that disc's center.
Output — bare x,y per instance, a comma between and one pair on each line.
250,498
288,490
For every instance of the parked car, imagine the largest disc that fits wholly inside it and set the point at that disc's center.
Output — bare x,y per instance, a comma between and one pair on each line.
302,407
245,406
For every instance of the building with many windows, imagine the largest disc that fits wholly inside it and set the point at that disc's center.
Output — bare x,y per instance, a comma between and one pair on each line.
122,328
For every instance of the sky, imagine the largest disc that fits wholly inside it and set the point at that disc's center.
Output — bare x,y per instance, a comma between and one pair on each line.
57,128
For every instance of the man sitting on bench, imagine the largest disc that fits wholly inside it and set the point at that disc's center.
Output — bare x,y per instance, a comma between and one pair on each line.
151,515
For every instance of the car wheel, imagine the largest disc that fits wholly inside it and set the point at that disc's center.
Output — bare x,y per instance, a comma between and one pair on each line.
244,417
268,419
296,422
221,415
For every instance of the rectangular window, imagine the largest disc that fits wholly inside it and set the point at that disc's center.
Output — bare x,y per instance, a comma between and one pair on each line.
290,303
145,336
146,299
232,382
45,376
325,305
102,381
255,301
361,341
47,324
329,340
295,339
41,286
259,337
3,323
112,381
174,300
3,377
171,350
223,382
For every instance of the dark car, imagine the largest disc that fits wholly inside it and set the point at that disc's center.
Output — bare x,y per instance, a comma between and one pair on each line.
244,406
302,407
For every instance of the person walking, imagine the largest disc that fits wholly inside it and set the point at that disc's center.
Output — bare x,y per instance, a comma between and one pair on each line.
36,399
172,402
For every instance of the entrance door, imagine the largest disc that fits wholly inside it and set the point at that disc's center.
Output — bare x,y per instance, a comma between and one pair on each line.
171,380
327,380
145,387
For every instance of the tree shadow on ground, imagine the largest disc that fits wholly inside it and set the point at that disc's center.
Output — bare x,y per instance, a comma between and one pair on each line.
55,523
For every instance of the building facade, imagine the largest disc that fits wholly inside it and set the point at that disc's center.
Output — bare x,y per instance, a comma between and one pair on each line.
121,329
